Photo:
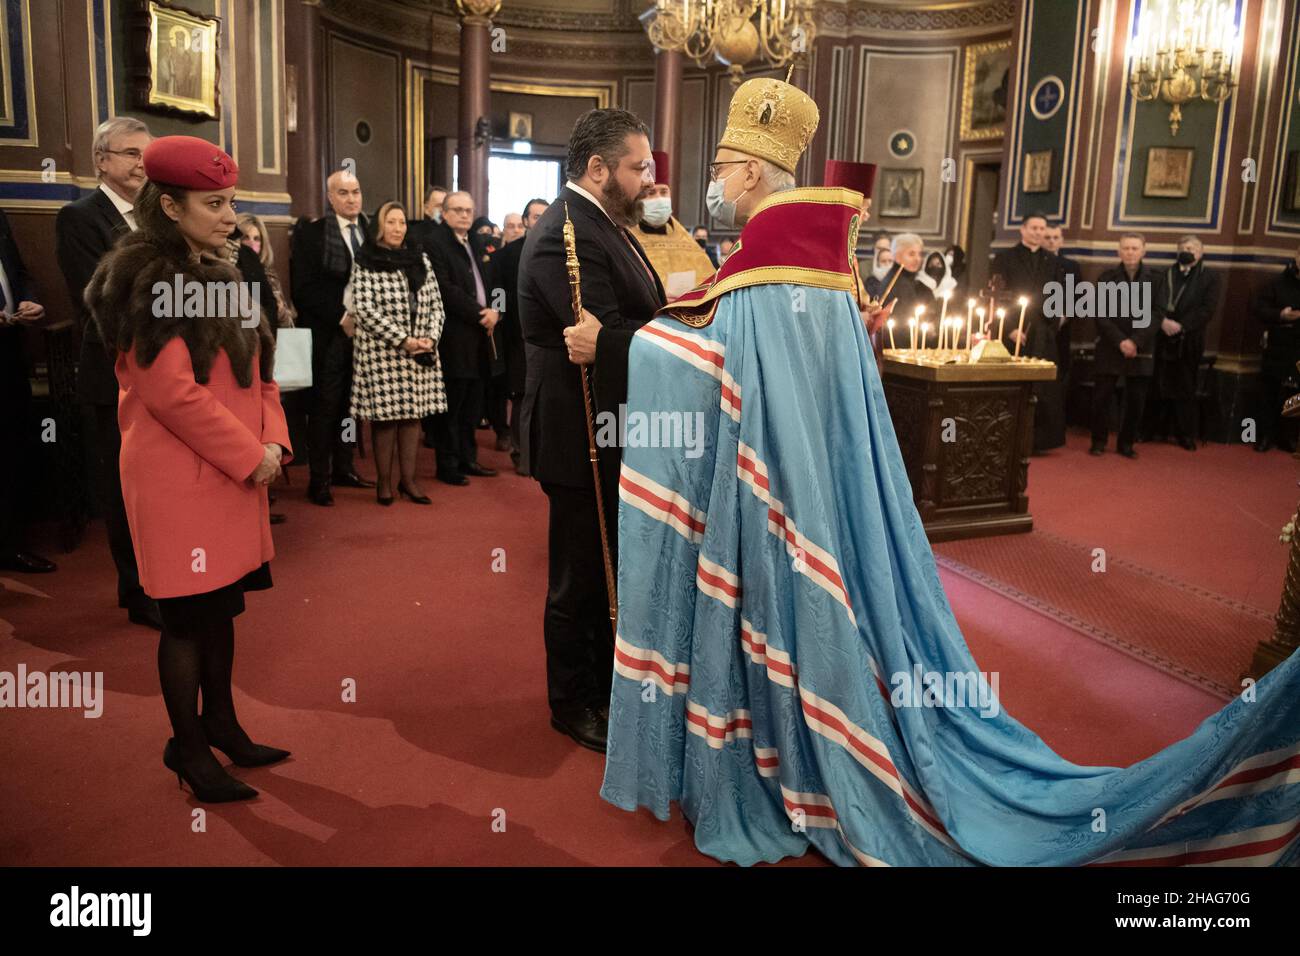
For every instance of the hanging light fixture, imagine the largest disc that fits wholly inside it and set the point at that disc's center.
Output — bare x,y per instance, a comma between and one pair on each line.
1184,50
733,31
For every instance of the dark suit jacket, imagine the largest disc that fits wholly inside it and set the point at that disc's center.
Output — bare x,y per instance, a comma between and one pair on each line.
463,347
13,352
317,290
1111,330
506,277
1195,306
1283,347
84,231
620,288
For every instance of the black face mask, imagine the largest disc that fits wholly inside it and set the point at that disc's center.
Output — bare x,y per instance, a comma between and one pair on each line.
704,243
935,274
1186,258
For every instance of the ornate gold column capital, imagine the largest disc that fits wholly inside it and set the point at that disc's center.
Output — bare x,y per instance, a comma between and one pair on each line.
481,11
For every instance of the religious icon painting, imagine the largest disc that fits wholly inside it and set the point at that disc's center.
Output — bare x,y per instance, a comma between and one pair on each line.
1038,172
984,90
900,190
521,125
1169,172
178,68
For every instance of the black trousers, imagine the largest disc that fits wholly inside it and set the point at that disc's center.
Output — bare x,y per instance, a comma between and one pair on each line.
456,445
497,396
18,436
1135,397
576,628
104,448
328,453
1277,375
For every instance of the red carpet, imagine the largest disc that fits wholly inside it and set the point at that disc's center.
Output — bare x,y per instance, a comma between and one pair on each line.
449,730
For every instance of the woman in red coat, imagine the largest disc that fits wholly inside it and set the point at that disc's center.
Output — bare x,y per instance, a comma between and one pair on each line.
203,435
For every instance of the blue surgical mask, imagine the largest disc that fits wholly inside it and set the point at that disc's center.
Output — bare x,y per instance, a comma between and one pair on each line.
723,210
656,210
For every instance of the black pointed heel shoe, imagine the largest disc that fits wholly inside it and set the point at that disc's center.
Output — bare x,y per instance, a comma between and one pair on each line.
418,499
242,753
222,790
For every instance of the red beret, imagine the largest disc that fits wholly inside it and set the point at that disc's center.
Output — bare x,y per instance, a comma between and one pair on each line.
190,163
859,176
661,167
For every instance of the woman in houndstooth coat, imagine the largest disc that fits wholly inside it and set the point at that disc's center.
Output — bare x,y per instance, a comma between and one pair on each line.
397,380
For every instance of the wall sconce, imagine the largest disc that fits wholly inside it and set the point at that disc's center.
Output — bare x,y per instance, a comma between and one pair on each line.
1184,50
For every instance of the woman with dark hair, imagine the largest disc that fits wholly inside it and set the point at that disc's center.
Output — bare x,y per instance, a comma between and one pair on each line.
397,379
203,435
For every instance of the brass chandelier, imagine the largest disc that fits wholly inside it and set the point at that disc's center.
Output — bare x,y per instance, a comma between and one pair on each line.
1184,50
733,31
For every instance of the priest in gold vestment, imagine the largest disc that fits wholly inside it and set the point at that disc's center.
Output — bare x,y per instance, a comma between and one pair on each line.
677,257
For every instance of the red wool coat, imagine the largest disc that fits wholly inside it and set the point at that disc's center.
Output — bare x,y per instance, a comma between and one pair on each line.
197,523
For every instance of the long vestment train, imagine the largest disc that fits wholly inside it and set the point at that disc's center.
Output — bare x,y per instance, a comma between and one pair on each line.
776,589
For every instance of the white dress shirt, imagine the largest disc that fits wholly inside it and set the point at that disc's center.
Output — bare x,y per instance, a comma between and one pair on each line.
347,234
586,195
122,206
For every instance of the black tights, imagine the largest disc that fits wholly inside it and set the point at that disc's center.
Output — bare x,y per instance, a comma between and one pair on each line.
200,657
395,441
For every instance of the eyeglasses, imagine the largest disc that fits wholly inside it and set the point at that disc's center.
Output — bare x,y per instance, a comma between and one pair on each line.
455,210
713,167
131,154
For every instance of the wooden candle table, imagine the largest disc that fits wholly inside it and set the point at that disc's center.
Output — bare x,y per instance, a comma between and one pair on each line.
966,431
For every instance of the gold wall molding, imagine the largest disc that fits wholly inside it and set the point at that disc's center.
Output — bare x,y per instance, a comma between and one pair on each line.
869,17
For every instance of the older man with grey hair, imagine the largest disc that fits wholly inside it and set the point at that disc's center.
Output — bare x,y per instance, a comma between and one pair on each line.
84,231
1189,295
903,287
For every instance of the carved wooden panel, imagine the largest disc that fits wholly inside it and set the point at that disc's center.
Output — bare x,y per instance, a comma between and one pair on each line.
976,465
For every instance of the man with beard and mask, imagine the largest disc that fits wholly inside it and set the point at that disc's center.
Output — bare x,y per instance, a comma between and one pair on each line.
1277,308
881,262
678,259
1024,270
1189,294
1053,240
609,171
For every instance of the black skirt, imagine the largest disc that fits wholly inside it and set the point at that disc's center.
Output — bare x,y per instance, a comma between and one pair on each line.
180,614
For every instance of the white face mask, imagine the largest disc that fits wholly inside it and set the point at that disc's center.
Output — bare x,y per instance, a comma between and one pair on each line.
881,271
723,210
656,210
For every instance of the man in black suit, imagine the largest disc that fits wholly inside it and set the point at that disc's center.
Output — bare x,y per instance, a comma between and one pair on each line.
1124,347
507,279
84,231
18,428
464,348
1189,294
320,262
1277,309
1053,240
610,170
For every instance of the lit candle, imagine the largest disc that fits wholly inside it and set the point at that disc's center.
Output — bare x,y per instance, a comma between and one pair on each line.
920,311
890,325
925,334
970,309
911,328
980,312
1020,326
1001,314
943,310
954,338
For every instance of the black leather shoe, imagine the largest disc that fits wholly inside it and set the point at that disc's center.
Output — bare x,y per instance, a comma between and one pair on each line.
1187,444
236,745
26,563
585,727
1128,452
417,499
320,495
453,479
351,480
278,518
207,784
144,612
1097,450
1265,444
478,471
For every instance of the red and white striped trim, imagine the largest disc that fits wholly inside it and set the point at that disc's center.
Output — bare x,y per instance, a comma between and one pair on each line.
1260,846
704,354
780,669
816,807
832,723
663,504
730,396
812,561
718,730
717,582
637,664
1264,771
768,761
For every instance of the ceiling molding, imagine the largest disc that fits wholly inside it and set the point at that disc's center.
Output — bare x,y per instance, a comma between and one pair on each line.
858,17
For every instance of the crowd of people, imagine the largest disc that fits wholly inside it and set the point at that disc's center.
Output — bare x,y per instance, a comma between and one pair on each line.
417,330
1152,361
